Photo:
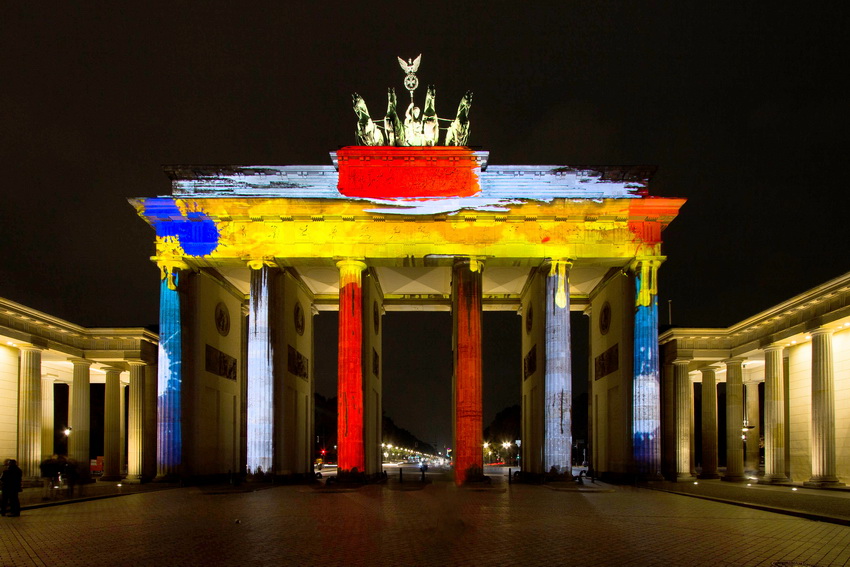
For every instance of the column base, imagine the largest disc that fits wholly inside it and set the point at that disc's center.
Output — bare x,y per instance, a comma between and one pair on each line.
734,478
110,478
684,477
774,479
826,482
708,476
135,479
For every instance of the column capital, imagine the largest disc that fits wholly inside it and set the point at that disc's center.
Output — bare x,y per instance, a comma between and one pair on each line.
28,347
109,369
683,361
774,347
80,361
707,369
351,264
822,331
136,362
476,263
260,263
734,361
651,261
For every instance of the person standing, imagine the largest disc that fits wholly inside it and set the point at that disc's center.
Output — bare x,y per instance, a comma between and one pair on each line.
11,486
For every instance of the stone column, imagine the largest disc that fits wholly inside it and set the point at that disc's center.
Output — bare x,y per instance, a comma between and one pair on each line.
774,417
350,450
150,433
753,431
78,440
646,386
122,445
135,425
823,411
693,422
709,423
466,319
558,439
683,420
169,427
734,420
47,410
112,425
260,371
29,413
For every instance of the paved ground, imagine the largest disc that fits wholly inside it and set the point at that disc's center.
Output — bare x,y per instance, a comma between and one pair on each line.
401,525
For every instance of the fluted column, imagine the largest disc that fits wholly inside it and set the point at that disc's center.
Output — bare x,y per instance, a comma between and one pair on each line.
646,385
558,439
112,425
466,319
78,441
135,423
260,371
734,420
169,426
823,410
709,423
774,417
122,445
753,428
29,412
683,420
350,449
47,410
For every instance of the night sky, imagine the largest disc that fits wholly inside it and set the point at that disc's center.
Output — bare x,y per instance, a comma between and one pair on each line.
743,108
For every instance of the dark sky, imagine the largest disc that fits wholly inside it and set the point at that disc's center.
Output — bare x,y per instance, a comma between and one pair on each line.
743,108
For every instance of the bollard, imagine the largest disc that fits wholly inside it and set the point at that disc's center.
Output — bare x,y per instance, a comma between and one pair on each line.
423,475
509,476
400,474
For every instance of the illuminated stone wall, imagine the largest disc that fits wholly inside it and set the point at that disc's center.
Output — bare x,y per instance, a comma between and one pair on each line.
611,373
8,402
533,372
373,308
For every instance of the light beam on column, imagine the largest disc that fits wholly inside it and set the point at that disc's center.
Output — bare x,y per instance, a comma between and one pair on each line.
466,308
260,372
646,388
169,433
350,450
558,378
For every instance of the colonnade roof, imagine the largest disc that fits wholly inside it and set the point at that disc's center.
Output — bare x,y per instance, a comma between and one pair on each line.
786,324
60,341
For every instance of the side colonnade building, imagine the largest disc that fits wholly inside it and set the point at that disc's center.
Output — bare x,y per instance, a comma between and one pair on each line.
787,393
40,353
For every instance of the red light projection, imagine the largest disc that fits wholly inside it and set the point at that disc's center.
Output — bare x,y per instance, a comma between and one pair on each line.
468,428
647,217
386,172
350,368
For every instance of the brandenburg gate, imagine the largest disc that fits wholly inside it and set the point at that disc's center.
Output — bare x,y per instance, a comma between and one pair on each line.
250,254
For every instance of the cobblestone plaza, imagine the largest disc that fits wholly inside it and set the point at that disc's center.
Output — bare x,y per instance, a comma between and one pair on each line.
438,525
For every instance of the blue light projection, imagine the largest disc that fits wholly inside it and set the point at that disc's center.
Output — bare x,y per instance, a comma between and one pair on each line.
646,422
169,381
196,232
558,378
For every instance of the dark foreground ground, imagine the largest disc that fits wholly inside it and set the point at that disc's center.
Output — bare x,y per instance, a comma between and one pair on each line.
437,524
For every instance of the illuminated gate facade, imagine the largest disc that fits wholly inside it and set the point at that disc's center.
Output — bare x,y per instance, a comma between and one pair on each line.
249,255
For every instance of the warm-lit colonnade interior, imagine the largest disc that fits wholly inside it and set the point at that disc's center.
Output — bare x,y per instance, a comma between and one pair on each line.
798,354
40,354
249,255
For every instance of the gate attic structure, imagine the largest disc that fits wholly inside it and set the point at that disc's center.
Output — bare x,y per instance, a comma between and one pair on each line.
249,254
